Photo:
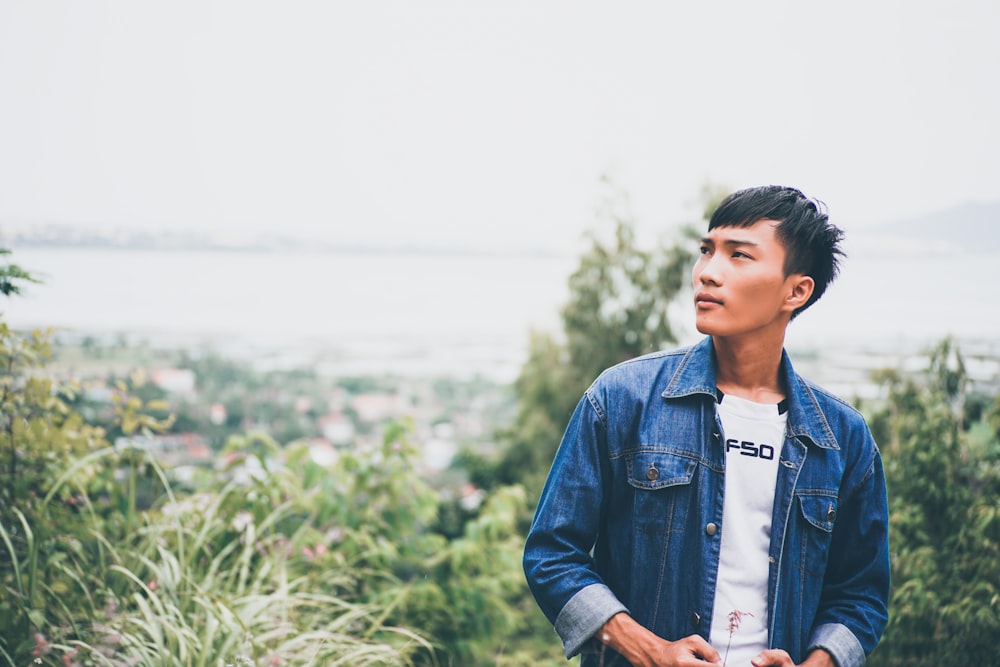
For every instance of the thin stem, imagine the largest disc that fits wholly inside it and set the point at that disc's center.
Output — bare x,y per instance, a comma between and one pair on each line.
9,426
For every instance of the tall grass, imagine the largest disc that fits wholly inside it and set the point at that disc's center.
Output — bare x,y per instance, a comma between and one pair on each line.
222,577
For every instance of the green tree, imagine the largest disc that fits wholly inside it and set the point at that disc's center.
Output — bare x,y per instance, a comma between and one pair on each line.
619,298
618,309
943,478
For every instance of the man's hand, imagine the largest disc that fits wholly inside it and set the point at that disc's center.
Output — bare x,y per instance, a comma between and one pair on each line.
642,648
775,657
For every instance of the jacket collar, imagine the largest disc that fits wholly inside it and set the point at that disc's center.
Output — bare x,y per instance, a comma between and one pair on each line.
696,375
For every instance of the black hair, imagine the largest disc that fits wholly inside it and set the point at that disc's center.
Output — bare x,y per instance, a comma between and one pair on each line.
811,242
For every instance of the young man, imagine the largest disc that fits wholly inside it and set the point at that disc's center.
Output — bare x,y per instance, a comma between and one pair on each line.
708,505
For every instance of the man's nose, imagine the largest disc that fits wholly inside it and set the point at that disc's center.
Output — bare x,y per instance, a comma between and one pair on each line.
708,271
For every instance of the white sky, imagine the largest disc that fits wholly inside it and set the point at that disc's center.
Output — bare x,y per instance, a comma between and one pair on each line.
478,124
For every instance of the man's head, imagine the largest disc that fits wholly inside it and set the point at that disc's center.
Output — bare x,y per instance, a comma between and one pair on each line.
811,243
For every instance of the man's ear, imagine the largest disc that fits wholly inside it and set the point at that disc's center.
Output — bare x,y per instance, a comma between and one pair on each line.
801,288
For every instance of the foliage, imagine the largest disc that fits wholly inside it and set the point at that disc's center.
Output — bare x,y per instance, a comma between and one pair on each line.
619,298
276,560
205,582
89,577
466,595
13,276
618,309
943,477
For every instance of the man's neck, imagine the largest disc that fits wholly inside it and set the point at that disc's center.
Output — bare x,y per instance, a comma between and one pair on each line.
750,368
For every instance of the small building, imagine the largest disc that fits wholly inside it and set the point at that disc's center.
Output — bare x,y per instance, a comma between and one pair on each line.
375,408
217,414
337,428
174,380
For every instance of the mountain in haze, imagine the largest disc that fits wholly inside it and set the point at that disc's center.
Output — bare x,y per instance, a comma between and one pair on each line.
970,226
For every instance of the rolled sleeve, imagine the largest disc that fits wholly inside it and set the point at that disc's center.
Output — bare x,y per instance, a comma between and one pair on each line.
584,615
840,643
558,561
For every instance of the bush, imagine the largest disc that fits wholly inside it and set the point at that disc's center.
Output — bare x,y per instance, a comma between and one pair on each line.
274,559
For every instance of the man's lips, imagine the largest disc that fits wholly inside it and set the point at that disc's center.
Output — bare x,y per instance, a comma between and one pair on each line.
703,299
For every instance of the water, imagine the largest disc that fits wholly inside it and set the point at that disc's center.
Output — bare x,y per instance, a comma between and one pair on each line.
427,313
356,311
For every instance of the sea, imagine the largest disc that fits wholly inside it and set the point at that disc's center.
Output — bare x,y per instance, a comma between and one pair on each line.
408,313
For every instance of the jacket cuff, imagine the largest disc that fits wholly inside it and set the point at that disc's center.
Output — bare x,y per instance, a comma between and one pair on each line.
840,643
585,614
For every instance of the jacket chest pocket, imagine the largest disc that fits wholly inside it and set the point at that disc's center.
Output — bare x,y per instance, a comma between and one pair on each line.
819,511
661,485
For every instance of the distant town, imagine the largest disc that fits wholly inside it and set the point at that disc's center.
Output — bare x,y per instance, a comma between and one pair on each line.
213,400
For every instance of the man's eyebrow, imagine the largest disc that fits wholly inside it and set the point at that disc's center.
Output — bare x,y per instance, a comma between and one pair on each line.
729,242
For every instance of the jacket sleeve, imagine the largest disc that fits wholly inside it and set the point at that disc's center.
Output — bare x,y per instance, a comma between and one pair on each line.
557,554
853,608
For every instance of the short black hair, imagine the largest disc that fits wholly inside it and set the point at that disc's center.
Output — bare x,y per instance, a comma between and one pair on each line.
812,243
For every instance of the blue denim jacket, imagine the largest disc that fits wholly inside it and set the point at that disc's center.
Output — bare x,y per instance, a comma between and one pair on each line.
630,518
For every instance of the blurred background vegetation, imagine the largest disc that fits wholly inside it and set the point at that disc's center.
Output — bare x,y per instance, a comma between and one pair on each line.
142,523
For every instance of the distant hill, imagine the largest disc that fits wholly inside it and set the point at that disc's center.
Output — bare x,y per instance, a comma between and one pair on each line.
972,225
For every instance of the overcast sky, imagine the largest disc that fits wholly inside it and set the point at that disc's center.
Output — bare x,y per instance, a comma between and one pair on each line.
487,124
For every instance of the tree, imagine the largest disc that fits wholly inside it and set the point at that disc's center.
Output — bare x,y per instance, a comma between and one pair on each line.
619,297
618,309
943,478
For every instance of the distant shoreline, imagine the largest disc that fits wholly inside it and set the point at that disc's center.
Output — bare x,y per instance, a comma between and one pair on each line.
62,237
287,246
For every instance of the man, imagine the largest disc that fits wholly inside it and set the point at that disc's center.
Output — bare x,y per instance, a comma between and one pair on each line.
708,505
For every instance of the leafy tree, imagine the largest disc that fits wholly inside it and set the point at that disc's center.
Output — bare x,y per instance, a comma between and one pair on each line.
943,478
618,309
619,298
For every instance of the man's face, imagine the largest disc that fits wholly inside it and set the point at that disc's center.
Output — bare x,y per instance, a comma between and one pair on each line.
739,282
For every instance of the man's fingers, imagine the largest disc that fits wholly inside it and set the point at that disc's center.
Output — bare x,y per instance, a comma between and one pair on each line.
774,657
701,648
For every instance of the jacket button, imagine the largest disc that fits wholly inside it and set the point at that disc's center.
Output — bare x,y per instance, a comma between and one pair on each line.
711,529
652,473
831,514
695,618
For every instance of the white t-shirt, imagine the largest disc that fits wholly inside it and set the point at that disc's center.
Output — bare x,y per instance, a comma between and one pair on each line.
753,437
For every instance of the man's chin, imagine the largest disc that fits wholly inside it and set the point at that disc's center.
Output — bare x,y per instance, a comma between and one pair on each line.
706,328
715,329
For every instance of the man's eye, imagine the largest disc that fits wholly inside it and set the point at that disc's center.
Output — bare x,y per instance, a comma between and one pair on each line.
741,254
704,250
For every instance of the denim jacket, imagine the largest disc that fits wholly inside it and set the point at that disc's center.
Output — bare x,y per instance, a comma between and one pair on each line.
630,518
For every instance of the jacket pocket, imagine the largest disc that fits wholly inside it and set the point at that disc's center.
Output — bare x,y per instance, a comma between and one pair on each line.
661,484
819,511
